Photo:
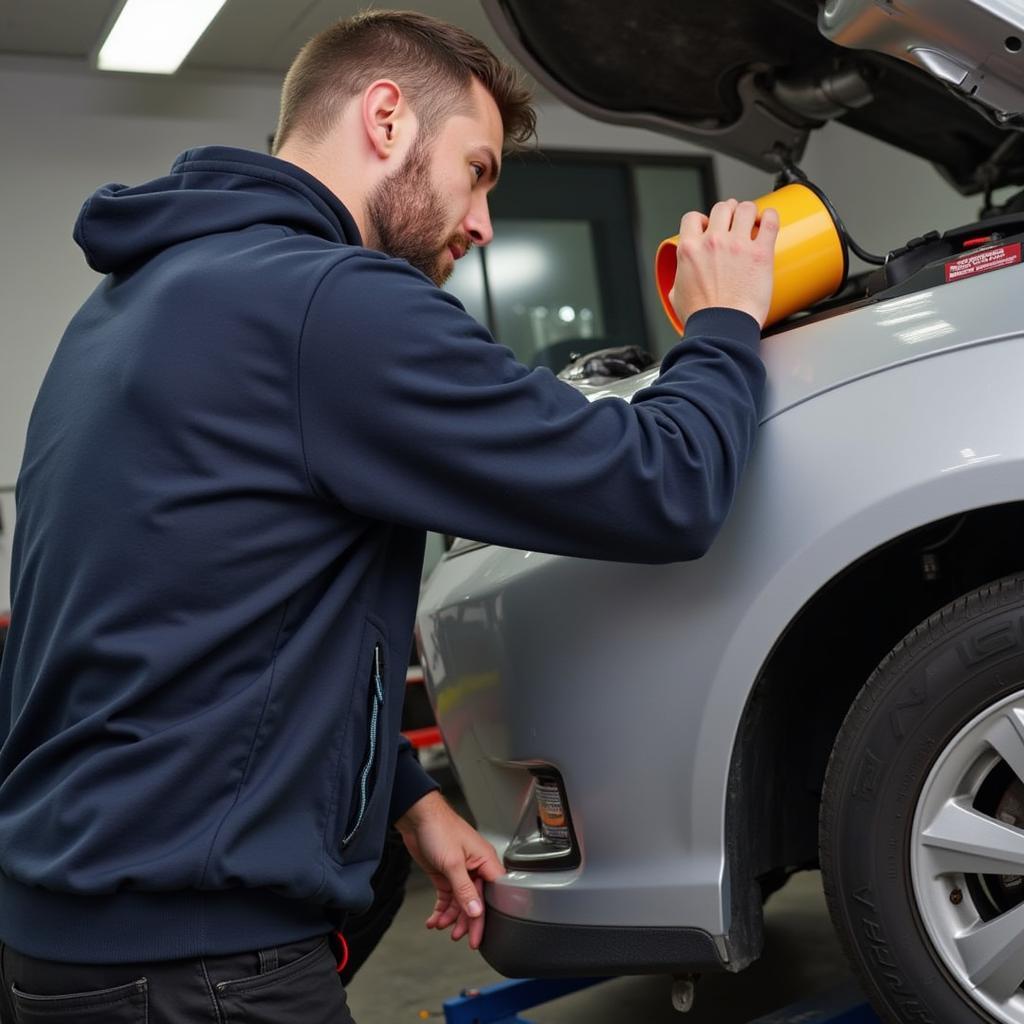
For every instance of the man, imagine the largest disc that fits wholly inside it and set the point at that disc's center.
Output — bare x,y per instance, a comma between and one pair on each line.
228,473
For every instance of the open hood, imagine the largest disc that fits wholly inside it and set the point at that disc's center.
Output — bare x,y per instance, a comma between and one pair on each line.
941,79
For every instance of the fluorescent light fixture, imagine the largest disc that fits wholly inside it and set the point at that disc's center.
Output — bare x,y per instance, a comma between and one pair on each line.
155,36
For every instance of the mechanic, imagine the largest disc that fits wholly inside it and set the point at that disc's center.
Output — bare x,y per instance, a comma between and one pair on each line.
229,470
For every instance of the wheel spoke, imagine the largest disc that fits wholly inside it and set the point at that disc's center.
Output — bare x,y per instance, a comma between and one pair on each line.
961,840
993,954
1006,736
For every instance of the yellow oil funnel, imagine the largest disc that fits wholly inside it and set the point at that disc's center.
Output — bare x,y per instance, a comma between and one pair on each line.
811,258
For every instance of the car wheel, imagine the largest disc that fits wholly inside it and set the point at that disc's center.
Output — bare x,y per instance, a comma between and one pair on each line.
922,818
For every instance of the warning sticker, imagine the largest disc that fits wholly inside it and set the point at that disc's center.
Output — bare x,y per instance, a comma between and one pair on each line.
980,262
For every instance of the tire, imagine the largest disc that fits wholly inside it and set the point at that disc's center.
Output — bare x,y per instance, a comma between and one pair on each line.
922,819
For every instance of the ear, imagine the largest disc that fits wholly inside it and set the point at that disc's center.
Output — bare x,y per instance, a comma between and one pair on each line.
384,111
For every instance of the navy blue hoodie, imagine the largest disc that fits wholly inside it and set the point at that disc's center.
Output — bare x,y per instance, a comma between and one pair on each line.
236,451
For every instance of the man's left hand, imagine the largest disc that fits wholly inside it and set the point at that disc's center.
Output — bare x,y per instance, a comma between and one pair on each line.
457,859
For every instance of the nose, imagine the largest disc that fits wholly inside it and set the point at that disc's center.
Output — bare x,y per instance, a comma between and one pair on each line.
478,222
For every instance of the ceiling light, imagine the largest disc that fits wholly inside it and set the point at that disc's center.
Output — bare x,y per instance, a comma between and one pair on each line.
155,36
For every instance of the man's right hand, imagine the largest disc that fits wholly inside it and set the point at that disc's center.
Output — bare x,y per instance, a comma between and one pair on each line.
457,859
725,259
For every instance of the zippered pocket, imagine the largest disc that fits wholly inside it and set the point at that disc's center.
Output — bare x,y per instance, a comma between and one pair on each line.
375,721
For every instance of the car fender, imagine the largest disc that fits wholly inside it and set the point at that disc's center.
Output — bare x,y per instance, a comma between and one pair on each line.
869,461
632,680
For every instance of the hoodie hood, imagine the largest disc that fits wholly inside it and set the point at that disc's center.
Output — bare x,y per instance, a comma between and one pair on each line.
209,190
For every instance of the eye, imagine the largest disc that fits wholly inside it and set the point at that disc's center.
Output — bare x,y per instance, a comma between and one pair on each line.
479,170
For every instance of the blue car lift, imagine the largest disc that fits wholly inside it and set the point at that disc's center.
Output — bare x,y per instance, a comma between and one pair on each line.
500,1004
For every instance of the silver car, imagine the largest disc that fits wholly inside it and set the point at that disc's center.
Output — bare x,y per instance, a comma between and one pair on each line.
840,680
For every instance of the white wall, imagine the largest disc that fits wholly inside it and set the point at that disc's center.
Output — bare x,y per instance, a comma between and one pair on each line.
68,130
7,521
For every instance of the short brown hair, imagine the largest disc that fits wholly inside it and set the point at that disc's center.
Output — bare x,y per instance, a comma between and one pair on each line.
433,62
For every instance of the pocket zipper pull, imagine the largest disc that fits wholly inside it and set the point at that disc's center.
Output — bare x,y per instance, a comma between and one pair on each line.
364,775
378,681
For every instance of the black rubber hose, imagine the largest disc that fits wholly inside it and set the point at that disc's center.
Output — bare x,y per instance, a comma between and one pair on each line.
867,257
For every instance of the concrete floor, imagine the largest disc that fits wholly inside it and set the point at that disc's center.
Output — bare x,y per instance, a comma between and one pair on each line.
415,970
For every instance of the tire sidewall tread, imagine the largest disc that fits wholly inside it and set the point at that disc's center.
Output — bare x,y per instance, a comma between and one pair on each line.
867,809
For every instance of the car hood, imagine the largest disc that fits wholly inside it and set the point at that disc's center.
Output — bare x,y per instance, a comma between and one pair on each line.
751,78
807,360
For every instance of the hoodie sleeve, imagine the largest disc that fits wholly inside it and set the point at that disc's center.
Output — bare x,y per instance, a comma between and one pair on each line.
410,412
412,782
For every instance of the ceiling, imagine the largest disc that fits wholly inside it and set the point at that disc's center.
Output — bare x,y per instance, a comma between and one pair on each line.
247,35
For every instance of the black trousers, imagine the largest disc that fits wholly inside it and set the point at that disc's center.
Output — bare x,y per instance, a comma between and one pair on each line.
293,984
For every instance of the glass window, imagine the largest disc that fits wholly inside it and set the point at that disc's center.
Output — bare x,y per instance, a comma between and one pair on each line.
571,267
543,281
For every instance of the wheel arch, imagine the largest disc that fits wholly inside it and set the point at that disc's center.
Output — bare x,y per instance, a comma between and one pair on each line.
779,759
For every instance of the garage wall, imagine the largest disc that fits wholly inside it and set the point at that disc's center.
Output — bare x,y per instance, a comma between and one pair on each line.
67,130
7,519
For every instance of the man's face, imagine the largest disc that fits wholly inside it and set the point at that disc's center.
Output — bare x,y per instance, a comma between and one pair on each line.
434,207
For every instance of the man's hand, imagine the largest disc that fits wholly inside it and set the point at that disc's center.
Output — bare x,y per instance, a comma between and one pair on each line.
725,259
457,859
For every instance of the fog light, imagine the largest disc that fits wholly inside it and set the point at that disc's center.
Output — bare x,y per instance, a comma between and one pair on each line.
551,813
545,838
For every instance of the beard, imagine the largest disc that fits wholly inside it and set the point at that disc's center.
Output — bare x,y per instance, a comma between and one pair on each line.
403,214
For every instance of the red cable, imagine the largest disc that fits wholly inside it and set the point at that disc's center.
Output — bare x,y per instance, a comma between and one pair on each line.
343,962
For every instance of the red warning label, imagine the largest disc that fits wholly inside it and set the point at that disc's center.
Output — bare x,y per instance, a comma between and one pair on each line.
982,261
